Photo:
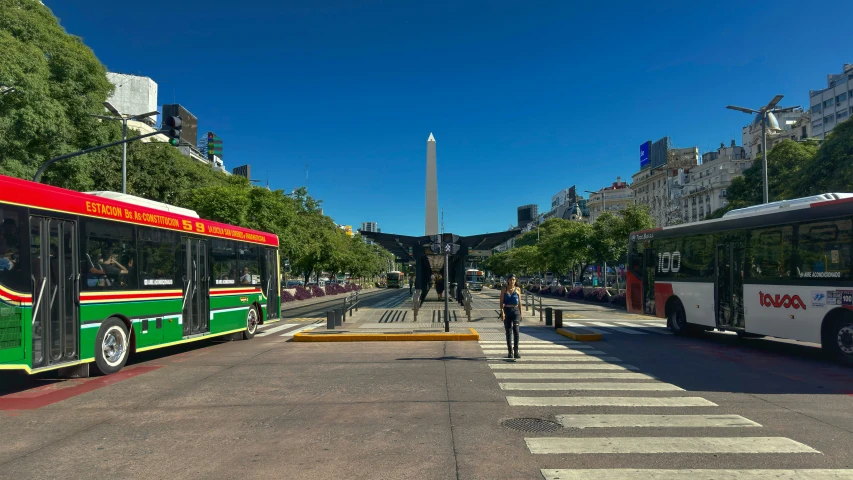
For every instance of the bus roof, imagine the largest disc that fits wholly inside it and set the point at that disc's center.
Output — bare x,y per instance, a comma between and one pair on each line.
760,211
123,208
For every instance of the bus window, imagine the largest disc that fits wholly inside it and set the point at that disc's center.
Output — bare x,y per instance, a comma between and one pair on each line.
157,255
823,250
223,256
636,261
109,255
11,269
770,253
697,257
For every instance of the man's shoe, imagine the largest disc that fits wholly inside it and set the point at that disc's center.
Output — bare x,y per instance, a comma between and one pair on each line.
516,354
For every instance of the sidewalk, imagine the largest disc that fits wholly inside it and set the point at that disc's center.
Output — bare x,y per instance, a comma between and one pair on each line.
326,298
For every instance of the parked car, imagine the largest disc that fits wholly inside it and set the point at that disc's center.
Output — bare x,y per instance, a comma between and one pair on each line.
294,283
578,284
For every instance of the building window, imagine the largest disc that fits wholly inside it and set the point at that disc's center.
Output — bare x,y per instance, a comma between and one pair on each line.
841,115
841,97
816,108
827,119
827,103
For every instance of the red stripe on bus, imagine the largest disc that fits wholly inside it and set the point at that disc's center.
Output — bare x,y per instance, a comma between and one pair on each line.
129,296
831,202
662,293
14,296
57,392
24,192
229,291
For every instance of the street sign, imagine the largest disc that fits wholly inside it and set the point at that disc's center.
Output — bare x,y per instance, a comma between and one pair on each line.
451,248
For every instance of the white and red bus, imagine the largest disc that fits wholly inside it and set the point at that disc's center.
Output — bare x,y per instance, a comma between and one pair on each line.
781,269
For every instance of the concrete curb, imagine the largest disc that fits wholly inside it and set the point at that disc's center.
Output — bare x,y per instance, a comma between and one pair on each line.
386,337
580,334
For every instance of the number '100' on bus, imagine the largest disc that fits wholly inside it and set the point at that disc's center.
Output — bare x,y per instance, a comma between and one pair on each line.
93,278
781,269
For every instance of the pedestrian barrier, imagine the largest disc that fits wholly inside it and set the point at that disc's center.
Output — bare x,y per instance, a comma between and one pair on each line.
337,316
416,303
467,299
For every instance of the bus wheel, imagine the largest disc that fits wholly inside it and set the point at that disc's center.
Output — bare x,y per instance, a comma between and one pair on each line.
252,320
111,346
677,321
841,340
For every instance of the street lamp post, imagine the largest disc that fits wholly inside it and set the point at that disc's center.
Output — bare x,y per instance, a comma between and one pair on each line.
123,119
764,112
603,209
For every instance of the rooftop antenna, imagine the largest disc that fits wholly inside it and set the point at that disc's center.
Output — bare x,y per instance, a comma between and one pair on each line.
306,176
442,220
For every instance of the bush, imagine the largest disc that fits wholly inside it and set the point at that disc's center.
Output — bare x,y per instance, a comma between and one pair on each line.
618,300
575,293
286,296
302,293
317,291
598,295
534,289
561,292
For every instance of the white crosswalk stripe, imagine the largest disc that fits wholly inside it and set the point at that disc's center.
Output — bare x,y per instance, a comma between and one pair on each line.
556,358
587,327
548,352
276,329
563,366
696,474
662,330
570,376
610,326
609,402
602,386
739,445
659,421
303,329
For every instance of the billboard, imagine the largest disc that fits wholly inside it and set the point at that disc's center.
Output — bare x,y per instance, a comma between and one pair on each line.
526,213
573,195
242,170
660,152
189,123
645,154
214,146
348,229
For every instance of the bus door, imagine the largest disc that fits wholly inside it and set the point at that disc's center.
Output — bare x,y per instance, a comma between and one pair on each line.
56,291
271,283
196,279
649,266
728,285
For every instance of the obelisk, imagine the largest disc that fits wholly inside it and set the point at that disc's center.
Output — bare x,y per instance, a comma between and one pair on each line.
431,190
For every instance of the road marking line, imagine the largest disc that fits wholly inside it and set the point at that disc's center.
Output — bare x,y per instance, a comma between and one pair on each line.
562,358
603,386
540,347
593,330
548,352
305,328
651,328
728,474
276,329
569,376
668,421
565,366
615,328
532,343
609,402
666,445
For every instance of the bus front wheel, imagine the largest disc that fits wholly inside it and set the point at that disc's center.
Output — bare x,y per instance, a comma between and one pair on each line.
841,340
111,346
252,321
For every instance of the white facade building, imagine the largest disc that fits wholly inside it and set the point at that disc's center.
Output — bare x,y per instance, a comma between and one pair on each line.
651,186
614,198
833,104
134,95
369,227
794,125
705,186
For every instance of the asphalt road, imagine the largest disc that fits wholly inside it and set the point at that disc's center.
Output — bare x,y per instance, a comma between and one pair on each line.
639,404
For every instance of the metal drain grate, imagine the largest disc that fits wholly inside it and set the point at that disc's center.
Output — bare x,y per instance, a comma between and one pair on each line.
531,425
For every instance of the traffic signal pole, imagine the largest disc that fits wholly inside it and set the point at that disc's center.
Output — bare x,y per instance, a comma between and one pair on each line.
446,289
88,150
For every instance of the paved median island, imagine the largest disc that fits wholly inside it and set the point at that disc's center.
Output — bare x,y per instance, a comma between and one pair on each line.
411,336
580,334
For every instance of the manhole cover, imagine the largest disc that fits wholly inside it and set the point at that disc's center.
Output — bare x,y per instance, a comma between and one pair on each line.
531,425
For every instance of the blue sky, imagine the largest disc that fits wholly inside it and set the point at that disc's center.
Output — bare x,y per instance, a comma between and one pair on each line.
524,98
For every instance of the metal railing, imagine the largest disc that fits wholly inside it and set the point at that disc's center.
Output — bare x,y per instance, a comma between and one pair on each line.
337,316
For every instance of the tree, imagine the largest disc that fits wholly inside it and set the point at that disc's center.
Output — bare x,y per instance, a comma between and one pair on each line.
831,168
58,82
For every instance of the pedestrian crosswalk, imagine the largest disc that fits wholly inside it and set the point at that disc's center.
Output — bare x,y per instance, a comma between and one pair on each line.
287,328
627,328
570,378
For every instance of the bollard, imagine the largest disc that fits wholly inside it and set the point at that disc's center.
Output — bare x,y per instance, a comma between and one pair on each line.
548,315
338,317
526,302
330,320
558,319
540,307
356,300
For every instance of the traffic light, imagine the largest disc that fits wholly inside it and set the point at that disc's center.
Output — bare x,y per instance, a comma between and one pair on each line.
172,130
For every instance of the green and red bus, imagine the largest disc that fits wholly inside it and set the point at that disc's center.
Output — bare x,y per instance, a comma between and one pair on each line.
95,277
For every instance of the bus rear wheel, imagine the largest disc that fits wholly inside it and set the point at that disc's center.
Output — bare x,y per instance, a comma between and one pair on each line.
252,321
840,341
677,321
111,346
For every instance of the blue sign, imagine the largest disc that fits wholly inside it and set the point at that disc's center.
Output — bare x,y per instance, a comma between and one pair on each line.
645,154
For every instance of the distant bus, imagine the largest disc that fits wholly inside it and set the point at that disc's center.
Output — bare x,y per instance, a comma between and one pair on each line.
783,269
93,278
395,279
474,279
